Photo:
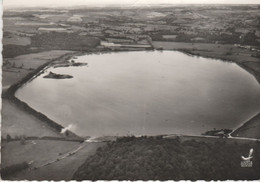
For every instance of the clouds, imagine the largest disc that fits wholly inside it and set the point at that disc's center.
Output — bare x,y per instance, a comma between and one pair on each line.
67,3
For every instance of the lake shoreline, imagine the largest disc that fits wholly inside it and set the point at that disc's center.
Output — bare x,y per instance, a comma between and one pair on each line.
243,65
10,93
224,52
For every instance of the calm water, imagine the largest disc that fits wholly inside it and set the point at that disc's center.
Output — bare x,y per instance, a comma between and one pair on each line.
146,93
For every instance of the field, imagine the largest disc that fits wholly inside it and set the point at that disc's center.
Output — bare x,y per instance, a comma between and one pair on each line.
14,69
47,150
250,129
16,122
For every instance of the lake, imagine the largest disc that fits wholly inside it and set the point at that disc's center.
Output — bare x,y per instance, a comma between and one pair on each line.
145,93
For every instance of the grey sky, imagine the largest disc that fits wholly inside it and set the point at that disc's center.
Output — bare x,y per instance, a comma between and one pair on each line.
33,3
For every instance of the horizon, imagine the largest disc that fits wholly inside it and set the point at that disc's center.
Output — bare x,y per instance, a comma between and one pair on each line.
16,4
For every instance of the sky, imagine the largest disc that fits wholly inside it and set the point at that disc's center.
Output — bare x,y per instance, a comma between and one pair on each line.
46,3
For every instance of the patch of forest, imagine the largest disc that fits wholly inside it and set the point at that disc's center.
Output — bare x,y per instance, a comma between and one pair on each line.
158,158
52,41
10,51
63,40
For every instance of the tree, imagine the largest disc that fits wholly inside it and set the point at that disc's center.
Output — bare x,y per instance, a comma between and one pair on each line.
8,138
23,140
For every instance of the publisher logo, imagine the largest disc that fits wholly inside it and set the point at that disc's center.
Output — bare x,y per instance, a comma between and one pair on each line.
246,161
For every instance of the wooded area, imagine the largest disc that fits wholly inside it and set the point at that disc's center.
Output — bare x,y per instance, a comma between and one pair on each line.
156,158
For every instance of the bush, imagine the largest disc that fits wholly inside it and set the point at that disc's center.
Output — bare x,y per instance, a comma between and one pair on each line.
8,138
229,53
23,140
13,169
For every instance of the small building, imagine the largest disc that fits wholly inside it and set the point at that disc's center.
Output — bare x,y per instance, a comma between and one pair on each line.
75,19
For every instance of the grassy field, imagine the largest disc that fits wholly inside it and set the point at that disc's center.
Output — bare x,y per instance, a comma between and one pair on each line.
43,151
14,69
14,39
16,122
250,129
218,51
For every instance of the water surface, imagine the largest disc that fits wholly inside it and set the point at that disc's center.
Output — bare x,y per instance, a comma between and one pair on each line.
146,93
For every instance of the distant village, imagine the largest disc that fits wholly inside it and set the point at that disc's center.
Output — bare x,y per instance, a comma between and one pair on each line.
136,28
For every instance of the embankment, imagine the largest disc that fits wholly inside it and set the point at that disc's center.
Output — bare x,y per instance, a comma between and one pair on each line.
251,70
249,129
10,95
